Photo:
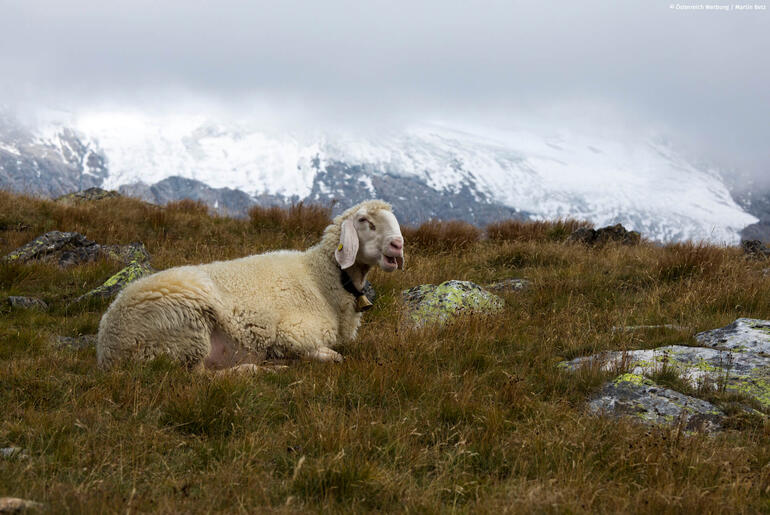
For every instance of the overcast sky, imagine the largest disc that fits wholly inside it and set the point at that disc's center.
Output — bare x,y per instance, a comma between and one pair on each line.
702,76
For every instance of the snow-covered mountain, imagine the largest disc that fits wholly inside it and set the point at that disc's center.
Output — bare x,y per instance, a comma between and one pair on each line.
426,170
48,161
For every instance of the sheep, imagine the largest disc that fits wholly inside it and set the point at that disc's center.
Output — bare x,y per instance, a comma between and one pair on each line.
285,304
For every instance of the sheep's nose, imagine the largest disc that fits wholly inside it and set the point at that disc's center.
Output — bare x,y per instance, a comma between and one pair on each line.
397,244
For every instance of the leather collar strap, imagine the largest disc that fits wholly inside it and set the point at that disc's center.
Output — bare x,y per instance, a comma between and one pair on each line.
347,283
362,303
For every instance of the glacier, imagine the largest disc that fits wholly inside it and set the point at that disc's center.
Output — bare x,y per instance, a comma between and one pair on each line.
642,183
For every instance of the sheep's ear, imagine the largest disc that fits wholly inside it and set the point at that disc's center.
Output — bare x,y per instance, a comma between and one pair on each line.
348,247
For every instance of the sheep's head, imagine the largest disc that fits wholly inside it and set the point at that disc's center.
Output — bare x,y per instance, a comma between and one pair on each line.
370,235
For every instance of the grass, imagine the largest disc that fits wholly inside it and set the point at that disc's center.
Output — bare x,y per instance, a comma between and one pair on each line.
473,417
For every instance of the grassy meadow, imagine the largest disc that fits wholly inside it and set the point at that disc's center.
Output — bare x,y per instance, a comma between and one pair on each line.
470,417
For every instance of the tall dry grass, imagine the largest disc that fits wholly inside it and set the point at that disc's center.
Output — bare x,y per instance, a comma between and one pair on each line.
439,236
518,230
302,218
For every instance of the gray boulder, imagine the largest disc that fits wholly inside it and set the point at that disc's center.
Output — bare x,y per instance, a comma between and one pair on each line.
745,334
755,249
631,328
733,358
87,195
632,395
431,304
72,248
63,248
27,303
611,233
508,285
369,291
76,342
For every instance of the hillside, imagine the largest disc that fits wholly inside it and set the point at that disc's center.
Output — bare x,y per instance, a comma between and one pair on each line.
473,416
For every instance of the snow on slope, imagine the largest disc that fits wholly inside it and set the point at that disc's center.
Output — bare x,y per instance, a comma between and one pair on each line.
643,184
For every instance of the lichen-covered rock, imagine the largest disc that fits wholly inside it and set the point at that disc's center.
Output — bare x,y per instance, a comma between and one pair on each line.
64,248
72,248
17,505
745,334
87,195
133,252
735,358
742,372
430,304
616,233
117,282
508,285
633,395
76,342
27,303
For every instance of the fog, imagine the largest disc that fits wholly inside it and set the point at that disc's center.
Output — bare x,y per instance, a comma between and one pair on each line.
699,77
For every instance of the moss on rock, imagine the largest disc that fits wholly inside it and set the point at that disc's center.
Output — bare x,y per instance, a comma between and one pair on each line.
110,287
430,304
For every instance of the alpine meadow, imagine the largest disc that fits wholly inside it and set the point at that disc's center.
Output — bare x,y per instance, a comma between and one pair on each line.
473,415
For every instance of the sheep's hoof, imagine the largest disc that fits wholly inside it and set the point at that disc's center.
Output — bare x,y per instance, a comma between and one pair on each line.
325,354
251,368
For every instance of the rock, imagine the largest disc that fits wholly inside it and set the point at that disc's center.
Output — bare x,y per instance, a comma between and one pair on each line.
629,328
76,342
755,249
742,372
87,195
64,248
13,453
117,282
17,505
27,303
72,248
745,334
428,303
766,272
633,395
734,358
508,285
615,233
133,252
369,291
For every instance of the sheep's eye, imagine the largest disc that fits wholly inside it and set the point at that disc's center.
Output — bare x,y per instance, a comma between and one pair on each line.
362,220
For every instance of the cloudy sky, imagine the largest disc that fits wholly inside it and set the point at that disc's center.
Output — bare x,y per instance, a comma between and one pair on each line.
701,76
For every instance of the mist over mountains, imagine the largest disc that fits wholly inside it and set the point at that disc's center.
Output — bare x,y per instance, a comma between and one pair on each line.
426,170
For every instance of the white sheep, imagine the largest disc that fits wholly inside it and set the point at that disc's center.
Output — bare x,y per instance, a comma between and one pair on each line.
284,303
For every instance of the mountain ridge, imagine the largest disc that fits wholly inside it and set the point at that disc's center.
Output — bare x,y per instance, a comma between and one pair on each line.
428,171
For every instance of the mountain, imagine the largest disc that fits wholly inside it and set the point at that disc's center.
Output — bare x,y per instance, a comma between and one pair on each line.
48,162
428,170
755,200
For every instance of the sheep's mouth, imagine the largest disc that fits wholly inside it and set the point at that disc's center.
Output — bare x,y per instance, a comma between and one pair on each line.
389,263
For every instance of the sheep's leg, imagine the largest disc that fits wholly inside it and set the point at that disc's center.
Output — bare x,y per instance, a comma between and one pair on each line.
324,354
308,337
226,353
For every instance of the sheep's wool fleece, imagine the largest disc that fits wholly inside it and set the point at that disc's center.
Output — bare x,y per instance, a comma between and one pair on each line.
286,302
